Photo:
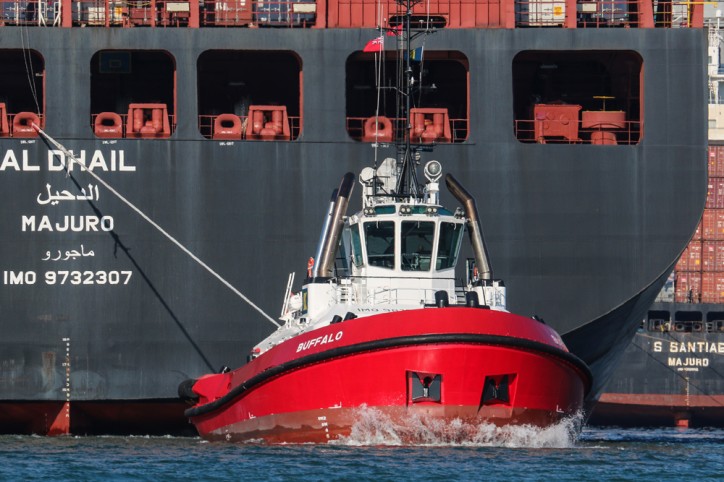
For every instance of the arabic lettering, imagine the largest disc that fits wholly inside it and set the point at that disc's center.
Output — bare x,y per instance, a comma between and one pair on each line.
71,254
54,198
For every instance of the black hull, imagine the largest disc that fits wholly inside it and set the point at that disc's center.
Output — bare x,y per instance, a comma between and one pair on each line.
584,236
669,376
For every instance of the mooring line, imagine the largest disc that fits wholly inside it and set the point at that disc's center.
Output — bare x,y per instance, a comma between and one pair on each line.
183,248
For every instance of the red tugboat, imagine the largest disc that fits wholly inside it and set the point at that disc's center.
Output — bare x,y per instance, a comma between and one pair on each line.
387,331
380,324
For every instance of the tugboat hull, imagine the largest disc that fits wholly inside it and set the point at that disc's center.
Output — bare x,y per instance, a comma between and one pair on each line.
409,368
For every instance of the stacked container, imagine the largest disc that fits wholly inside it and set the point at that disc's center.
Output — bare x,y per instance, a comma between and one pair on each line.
700,271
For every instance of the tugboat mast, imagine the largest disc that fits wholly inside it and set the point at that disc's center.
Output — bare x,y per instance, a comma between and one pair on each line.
407,185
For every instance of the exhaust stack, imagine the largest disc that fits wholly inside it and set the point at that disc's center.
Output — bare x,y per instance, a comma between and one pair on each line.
480,251
323,234
324,265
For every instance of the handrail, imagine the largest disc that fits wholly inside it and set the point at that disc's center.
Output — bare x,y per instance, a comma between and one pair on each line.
339,14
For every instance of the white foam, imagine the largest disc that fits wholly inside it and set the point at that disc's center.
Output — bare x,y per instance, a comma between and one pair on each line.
374,428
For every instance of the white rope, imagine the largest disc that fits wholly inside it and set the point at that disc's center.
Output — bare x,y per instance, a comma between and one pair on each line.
70,155
28,60
378,67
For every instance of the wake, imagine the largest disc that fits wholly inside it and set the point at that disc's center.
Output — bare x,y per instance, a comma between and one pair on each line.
374,428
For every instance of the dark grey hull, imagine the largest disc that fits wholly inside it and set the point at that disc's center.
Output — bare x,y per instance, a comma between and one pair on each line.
671,376
584,236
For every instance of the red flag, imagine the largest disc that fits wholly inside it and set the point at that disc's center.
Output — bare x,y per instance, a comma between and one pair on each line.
375,45
395,31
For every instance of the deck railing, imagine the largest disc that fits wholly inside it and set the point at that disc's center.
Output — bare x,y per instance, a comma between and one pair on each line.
206,127
353,13
10,128
355,128
629,134
124,118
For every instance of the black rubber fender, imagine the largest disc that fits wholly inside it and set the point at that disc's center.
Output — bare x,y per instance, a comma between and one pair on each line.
186,392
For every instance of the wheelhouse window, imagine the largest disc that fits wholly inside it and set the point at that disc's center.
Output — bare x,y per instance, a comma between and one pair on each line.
356,245
380,240
449,245
417,239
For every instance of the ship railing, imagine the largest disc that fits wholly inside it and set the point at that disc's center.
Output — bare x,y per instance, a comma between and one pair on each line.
227,13
160,13
131,13
385,290
459,128
394,296
206,127
520,13
608,14
99,13
354,13
124,117
10,128
37,13
629,134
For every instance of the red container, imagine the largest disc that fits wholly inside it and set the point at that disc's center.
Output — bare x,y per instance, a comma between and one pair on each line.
699,230
712,256
687,287
715,193
708,224
683,263
713,224
690,259
716,161
441,13
712,287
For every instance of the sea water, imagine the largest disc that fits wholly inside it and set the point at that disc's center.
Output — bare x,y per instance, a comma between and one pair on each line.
374,452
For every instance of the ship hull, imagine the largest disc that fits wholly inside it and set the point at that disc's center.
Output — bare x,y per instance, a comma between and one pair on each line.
407,367
573,246
670,374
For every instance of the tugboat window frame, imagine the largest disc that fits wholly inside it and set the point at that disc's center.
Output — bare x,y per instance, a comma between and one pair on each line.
454,242
380,248
356,242
415,232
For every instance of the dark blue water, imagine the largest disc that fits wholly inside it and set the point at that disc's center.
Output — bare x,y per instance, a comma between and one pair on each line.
595,454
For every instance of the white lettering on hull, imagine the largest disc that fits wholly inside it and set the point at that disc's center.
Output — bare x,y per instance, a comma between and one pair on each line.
320,340
691,347
68,223
96,160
